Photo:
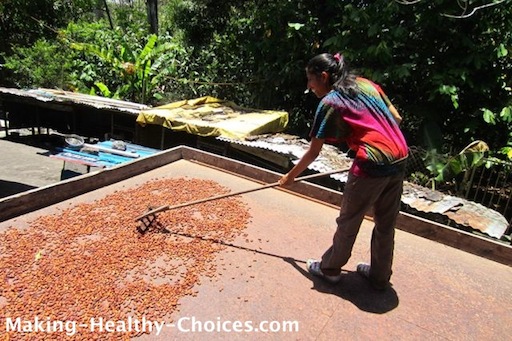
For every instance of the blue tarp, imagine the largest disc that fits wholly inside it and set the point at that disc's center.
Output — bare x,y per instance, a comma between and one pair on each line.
103,159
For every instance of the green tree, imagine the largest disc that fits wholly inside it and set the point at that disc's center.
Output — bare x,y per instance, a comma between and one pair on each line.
132,70
253,52
438,69
45,64
447,71
23,22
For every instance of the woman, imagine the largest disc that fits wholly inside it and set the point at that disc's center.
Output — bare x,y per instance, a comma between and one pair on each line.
356,110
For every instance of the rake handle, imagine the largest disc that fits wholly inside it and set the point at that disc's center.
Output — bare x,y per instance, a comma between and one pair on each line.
222,196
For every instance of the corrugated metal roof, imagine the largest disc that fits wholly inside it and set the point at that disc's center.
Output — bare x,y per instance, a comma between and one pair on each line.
461,211
60,96
294,147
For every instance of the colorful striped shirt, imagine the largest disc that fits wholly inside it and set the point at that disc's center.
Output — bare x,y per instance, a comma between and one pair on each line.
365,122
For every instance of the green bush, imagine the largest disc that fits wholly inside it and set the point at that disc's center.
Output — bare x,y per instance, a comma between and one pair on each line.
45,64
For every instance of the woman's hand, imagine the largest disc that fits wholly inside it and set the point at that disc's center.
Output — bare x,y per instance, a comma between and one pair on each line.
286,180
314,149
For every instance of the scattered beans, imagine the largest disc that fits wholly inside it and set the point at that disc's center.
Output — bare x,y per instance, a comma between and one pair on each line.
89,261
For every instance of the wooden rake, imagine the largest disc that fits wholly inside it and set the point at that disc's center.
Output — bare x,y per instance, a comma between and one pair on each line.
147,219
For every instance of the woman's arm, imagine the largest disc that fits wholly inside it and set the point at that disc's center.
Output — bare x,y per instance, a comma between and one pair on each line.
395,114
315,146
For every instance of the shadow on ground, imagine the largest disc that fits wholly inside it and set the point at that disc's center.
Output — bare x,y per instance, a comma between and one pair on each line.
68,174
39,141
352,287
8,188
355,289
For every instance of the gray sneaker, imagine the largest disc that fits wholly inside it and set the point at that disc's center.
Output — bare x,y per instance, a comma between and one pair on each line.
313,266
364,270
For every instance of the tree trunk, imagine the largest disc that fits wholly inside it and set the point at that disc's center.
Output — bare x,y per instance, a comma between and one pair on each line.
153,15
108,14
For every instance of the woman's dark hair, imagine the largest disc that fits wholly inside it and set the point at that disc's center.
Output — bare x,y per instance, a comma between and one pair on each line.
340,75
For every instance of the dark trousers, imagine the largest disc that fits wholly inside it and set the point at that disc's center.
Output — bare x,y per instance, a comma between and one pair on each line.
360,194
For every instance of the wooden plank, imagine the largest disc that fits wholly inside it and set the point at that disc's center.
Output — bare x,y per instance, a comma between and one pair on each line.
456,238
78,161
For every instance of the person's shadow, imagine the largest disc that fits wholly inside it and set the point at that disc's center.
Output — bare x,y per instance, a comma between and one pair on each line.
355,289
352,287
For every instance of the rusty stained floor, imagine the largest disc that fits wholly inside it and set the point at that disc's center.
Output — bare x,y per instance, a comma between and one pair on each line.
438,293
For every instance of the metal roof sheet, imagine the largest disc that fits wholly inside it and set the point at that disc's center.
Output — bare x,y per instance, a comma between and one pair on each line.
60,96
294,147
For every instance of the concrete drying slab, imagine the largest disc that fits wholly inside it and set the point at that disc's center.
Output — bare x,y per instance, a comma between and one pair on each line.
438,292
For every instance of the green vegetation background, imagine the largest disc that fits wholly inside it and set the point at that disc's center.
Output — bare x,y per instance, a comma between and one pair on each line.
445,67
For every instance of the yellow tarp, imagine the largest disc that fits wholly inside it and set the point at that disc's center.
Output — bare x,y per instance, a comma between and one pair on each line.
209,116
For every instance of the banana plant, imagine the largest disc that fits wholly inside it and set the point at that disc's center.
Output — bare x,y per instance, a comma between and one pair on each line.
444,169
137,71
505,118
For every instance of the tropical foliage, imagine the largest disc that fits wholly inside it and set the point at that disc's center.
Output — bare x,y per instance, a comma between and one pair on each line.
446,67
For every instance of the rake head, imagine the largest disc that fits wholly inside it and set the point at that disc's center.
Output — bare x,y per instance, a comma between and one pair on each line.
145,223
